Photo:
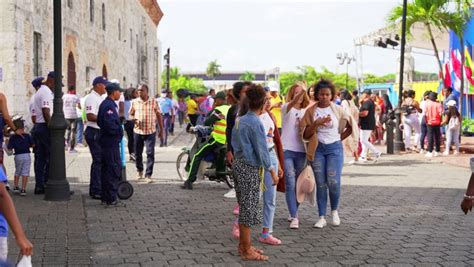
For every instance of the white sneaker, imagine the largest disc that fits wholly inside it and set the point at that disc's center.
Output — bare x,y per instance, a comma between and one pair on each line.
422,151
362,160
446,153
295,223
429,154
435,154
455,152
321,223
352,162
336,221
378,156
230,194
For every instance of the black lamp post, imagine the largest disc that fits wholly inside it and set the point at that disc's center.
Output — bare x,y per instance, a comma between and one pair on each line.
57,187
399,145
167,58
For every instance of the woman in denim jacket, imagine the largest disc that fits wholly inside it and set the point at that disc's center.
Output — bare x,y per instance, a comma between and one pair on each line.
251,159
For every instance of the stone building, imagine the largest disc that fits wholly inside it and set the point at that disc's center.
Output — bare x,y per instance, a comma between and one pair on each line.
114,38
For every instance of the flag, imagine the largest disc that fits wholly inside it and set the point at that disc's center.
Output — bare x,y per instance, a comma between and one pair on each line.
468,67
447,76
456,63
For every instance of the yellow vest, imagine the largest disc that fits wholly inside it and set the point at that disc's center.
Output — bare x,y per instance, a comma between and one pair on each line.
218,132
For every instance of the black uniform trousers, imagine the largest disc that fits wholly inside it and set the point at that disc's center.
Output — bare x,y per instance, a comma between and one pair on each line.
92,139
111,172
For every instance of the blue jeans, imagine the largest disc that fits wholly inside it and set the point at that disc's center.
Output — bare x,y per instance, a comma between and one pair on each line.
294,164
147,141
269,195
166,128
79,130
327,168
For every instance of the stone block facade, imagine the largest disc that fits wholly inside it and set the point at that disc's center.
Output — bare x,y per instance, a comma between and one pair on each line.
114,38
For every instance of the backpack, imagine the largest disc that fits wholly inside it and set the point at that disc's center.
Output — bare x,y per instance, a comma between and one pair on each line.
205,106
408,107
453,123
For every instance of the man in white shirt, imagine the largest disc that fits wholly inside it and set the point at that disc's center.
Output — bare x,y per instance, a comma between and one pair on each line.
43,109
70,102
92,103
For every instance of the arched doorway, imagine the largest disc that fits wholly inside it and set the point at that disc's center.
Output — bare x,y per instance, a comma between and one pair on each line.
71,70
104,71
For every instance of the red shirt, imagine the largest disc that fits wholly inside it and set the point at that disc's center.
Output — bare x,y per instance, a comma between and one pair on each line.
433,113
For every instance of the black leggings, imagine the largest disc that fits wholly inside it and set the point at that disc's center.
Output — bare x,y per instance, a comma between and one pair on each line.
129,130
192,121
434,135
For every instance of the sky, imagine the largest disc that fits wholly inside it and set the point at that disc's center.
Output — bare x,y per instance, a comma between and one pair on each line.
260,35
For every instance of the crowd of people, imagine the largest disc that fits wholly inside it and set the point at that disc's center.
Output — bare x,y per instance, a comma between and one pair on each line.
271,141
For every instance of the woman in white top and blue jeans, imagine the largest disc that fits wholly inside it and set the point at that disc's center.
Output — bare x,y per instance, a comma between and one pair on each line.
328,122
293,147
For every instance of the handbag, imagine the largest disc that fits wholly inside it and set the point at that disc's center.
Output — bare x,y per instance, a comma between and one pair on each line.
306,186
25,261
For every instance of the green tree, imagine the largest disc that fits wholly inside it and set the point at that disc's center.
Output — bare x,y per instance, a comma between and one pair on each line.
287,79
178,81
432,14
247,76
371,78
213,69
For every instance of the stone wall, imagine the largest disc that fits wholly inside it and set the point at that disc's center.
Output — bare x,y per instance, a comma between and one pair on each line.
130,57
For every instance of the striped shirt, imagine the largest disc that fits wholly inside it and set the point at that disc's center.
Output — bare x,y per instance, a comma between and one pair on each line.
145,115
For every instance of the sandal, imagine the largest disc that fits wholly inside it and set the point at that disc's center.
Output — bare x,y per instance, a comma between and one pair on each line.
253,256
270,240
259,251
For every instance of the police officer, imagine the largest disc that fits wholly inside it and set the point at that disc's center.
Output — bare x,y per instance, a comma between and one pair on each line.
92,103
216,119
111,134
42,106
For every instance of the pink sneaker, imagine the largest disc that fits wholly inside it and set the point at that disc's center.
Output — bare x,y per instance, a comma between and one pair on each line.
295,223
236,210
270,240
236,231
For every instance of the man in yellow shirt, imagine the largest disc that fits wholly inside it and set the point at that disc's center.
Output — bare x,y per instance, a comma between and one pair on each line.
192,111
276,102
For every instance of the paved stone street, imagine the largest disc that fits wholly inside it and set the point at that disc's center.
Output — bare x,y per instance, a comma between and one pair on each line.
401,210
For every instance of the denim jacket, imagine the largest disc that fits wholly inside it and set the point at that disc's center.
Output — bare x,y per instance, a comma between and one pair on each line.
249,143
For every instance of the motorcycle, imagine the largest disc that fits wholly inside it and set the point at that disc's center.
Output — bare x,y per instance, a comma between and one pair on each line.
207,168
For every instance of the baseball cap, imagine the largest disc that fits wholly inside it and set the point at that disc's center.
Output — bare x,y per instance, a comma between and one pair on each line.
220,95
52,75
37,82
110,87
451,103
274,86
98,80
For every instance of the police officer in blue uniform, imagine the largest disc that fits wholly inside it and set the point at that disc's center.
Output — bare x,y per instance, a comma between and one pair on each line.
111,134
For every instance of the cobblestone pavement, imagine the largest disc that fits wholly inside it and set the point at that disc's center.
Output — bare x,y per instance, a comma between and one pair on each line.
401,210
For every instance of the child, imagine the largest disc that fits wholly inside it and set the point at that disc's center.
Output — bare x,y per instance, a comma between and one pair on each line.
21,143
453,122
8,214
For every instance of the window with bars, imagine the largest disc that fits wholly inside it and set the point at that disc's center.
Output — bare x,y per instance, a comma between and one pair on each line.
103,16
91,10
37,45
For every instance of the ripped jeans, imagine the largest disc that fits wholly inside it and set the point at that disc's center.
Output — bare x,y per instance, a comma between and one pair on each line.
327,168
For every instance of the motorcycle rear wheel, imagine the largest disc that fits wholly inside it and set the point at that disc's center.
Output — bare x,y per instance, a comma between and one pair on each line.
229,180
181,164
